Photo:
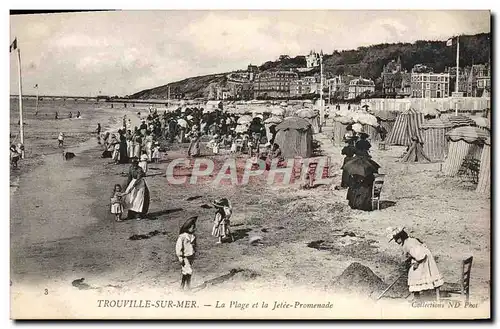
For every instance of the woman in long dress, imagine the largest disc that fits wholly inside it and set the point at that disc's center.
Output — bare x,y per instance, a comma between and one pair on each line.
349,151
423,275
194,146
130,144
137,144
123,148
137,199
148,145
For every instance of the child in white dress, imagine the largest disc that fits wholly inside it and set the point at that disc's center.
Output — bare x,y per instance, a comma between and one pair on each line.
116,203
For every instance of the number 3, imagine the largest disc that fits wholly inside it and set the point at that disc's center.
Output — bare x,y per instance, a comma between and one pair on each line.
46,291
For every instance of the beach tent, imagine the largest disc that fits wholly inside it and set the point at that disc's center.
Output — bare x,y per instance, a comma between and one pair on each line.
311,117
406,126
463,141
294,137
434,137
415,153
483,185
269,122
386,118
460,120
339,128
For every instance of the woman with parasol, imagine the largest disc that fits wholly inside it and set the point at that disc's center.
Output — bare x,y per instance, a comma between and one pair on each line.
361,170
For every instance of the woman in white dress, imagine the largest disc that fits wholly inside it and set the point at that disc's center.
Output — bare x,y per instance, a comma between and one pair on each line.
423,275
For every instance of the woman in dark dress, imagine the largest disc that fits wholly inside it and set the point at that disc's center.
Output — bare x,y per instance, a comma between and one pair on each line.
349,151
123,147
363,145
359,193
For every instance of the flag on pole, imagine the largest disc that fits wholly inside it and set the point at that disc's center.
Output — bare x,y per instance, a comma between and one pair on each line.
13,45
449,43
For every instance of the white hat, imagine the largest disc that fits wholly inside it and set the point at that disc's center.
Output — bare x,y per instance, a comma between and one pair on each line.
144,157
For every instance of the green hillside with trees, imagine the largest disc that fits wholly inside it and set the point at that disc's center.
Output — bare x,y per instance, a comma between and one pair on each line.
364,61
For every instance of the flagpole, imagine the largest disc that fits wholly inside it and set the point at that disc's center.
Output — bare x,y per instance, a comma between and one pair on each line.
20,101
458,73
36,106
321,114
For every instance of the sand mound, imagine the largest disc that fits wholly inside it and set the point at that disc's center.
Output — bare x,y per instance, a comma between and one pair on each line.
359,279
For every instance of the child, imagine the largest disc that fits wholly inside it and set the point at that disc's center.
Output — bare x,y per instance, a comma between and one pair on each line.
143,163
221,221
60,139
14,156
423,275
116,203
156,152
215,145
185,249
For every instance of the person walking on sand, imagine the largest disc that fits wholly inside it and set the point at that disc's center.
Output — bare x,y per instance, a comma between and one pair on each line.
185,250
116,202
98,132
60,139
57,115
221,228
15,155
137,199
143,163
423,275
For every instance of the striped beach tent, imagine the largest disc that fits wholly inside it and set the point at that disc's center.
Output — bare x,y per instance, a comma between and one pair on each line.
339,128
406,126
434,138
482,122
463,142
460,120
483,185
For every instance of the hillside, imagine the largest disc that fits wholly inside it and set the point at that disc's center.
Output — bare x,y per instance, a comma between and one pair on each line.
365,61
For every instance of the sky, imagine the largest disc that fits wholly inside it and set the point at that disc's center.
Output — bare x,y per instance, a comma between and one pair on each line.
123,52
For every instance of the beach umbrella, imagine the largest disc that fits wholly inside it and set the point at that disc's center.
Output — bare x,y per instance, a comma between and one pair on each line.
361,166
273,119
482,122
241,128
469,134
305,113
278,112
430,110
460,120
343,120
357,127
183,123
245,119
367,119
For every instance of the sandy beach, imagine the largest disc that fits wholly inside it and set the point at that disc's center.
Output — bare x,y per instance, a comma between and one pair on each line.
68,233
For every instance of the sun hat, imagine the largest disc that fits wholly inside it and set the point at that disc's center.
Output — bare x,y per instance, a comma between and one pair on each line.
392,232
188,223
144,157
